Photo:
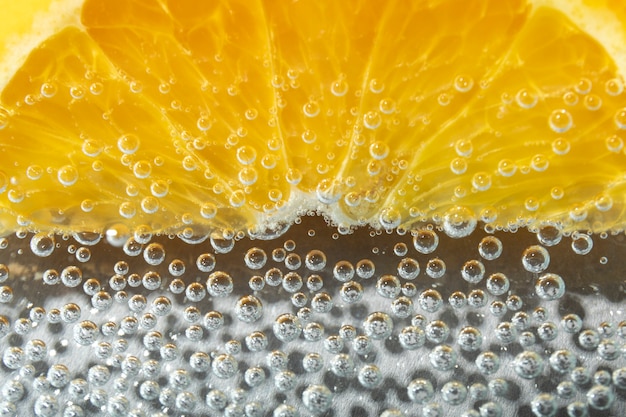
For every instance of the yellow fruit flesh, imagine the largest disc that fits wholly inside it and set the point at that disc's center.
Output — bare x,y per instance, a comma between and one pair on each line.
234,115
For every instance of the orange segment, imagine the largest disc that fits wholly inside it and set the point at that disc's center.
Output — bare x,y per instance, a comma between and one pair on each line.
239,114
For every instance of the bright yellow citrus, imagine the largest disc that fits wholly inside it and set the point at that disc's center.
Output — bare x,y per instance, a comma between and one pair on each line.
189,116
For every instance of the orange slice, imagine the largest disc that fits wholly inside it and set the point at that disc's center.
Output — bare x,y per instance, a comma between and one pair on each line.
239,115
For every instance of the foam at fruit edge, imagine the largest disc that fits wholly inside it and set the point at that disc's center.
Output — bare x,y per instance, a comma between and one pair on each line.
61,13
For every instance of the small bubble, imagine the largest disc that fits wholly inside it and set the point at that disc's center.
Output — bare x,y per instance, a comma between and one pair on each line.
526,98
614,87
454,392
506,333
287,327
544,405
255,258
378,326
470,339
311,109
376,86
48,89
535,259
343,271
620,118
560,121
490,248
219,284
562,361
481,181
365,268
430,300
224,366
473,271
435,268
581,243
412,337
67,175
128,144
425,241
550,287
497,284
592,102
549,235
457,300
459,222
408,268
388,286
528,365
463,83
420,390
42,244
488,363
71,276
443,358
339,87
458,166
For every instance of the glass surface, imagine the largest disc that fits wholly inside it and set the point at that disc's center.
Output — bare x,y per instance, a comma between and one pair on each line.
316,323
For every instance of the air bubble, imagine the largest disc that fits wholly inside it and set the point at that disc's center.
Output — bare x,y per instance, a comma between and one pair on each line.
550,287
435,268
497,284
71,276
372,119
255,258
390,218
614,143
224,366
488,363
379,150
67,175
562,361
463,83
376,86
425,241
526,99
343,271
420,390
560,121
614,87
408,268
387,106
42,244
535,259
48,89
549,235
154,254
528,365
592,102
311,109
287,327
490,248
544,405
459,222
128,144
378,326
620,118
473,271
430,300
388,286
458,166
219,284
463,147
443,358
339,87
